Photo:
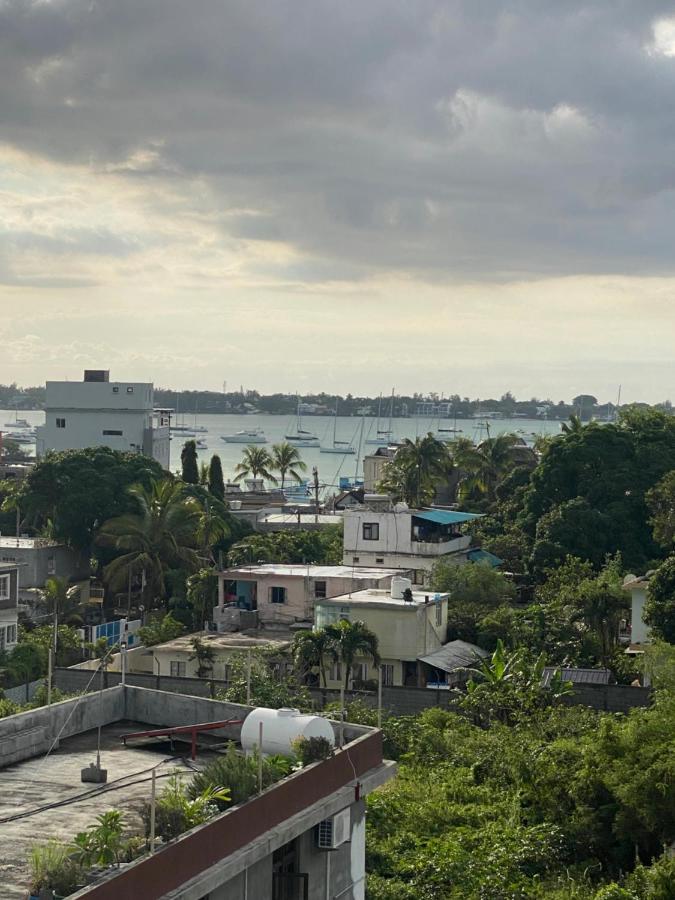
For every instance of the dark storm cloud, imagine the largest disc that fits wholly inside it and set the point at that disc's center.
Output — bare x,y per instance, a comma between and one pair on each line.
447,139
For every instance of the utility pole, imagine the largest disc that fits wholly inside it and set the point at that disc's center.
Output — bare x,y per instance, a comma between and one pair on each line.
315,474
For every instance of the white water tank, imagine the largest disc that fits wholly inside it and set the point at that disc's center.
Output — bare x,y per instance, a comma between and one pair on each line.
398,586
280,728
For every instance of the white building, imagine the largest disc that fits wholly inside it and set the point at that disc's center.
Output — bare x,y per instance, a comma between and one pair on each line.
403,538
97,412
9,601
40,559
640,633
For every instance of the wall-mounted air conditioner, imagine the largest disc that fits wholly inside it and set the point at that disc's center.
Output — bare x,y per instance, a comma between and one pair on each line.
333,832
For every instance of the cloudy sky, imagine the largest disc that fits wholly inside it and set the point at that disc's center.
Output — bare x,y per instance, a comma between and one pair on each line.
301,195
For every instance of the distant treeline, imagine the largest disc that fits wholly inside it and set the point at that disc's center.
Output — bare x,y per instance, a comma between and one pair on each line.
585,406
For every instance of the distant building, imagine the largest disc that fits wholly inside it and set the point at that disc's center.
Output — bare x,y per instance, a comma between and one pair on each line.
373,467
97,412
640,633
406,629
9,605
40,559
451,665
177,657
402,538
282,595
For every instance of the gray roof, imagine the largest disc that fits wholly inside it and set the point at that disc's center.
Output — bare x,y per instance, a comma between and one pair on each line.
454,655
577,676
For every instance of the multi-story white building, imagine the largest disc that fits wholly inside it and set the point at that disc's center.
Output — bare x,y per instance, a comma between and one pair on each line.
9,602
402,538
97,412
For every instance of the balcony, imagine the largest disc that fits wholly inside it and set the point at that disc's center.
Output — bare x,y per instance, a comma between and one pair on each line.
453,544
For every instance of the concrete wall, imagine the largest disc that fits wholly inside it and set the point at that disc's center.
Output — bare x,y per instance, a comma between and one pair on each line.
640,633
32,733
23,693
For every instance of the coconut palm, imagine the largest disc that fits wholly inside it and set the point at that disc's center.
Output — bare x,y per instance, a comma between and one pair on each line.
573,426
60,600
161,535
484,465
311,649
349,640
287,461
257,462
415,470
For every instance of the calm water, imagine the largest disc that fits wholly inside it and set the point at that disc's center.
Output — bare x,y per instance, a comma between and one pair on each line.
331,466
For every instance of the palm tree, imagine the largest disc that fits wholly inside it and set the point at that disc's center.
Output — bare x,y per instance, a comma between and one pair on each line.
574,426
349,640
600,606
60,600
484,465
163,534
257,462
415,470
286,461
311,650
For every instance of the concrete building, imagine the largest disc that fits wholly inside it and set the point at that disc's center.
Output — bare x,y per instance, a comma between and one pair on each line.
402,538
373,467
640,633
177,657
304,836
9,604
97,412
281,595
40,559
406,629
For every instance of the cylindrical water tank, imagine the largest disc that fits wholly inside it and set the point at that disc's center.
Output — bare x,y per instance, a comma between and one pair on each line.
280,728
398,586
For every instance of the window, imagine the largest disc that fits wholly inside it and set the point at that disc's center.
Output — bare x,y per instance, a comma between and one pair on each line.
387,674
439,613
130,390
371,531
11,634
60,423
359,672
4,587
277,595
113,431
116,389
335,672
177,669
379,559
320,590
355,559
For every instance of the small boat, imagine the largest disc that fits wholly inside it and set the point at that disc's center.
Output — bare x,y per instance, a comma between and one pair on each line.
18,423
20,437
446,434
250,436
383,439
300,437
344,448
200,444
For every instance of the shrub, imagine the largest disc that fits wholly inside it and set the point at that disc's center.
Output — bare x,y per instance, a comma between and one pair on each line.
238,774
176,811
53,868
313,749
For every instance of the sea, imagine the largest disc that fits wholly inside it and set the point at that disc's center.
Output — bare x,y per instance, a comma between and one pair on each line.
331,467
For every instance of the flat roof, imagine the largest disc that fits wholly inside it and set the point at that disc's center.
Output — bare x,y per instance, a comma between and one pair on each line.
229,640
292,518
378,598
31,787
445,516
299,570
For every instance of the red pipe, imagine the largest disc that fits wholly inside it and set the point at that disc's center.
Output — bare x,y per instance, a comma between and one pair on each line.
182,729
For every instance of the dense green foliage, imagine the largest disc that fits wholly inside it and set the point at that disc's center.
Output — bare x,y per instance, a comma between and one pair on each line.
69,495
216,483
321,547
416,470
659,611
188,462
159,631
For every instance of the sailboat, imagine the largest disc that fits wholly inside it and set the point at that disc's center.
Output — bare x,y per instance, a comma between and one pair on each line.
342,447
383,437
300,437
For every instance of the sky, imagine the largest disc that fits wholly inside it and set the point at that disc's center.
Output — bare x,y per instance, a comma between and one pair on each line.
466,196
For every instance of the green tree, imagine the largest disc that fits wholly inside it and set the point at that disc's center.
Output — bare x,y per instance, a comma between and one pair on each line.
349,640
484,465
216,482
68,644
601,603
257,463
312,650
204,656
189,463
286,460
71,494
415,471
61,600
475,590
659,610
661,502
160,631
202,595
160,535
574,425
321,547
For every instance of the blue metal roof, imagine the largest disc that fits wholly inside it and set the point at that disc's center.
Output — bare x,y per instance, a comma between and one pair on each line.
479,555
446,516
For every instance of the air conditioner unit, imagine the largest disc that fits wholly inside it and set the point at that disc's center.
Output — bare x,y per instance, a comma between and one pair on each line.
333,832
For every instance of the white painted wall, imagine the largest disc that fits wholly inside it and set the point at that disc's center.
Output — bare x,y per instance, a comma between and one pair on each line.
639,632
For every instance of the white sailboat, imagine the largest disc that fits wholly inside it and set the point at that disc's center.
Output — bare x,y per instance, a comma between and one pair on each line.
383,436
300,437
344,448
250,436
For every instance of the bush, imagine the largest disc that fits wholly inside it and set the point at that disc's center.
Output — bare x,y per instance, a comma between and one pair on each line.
178,810
312,749
238,774
53,868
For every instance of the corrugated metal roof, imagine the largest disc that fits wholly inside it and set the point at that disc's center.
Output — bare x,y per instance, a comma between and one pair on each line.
445,516
577,676
455,655
479,555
